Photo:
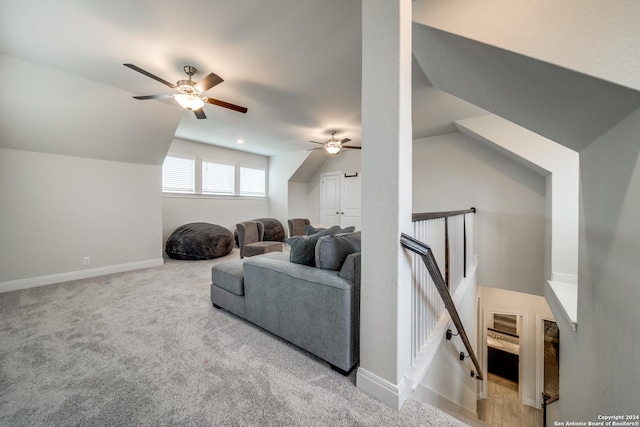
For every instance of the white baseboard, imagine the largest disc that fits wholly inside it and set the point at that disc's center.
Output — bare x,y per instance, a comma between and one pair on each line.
33,282
392,395
425,395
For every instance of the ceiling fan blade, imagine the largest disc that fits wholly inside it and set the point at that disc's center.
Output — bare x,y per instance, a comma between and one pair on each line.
208,82
345,140
148,74
225,105
354,147
164,96
312,149
199,113
321,143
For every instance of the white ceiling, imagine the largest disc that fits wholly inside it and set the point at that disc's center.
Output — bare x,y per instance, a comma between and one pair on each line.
568,107
296,65
593,37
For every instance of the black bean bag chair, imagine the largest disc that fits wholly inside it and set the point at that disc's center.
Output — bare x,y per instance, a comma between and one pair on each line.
199,240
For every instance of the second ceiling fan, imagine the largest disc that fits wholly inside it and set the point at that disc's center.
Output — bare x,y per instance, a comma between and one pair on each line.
190,94
333,145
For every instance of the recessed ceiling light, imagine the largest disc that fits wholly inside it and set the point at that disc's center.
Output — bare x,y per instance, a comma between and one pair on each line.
240,141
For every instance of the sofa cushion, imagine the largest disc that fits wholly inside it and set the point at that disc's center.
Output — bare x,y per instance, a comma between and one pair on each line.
229,276
263,247
303,248
331,251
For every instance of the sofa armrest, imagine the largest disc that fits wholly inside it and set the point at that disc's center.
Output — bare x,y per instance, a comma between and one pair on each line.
351,268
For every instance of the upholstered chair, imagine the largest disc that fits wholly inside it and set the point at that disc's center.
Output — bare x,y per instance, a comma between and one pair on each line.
250,234
296,226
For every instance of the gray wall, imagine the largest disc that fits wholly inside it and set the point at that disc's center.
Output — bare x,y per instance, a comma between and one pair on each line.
452,172
78,178
281,168
58,209
599,362
226,211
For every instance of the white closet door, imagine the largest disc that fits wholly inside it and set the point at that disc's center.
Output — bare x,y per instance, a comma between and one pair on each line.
340,200
330,199
350,201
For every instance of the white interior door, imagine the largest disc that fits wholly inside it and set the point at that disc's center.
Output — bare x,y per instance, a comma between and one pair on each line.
340,199
350,201
330,199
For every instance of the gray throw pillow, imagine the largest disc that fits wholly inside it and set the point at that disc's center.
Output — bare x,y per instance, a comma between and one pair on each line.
303,248
310,229
331,251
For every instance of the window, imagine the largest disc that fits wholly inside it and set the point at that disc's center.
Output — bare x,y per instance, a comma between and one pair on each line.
218,178
183,175
178,175
252,181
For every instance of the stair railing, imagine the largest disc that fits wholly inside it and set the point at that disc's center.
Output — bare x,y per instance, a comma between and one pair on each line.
425,253
547,400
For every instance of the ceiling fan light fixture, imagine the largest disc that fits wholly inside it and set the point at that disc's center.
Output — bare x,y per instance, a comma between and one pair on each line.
191,95
189,102
187,87
332,148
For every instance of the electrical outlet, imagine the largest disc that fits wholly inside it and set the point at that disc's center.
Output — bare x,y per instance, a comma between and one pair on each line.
86,260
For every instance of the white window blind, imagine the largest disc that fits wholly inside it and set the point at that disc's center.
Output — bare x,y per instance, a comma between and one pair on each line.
217,178
252,181
178,175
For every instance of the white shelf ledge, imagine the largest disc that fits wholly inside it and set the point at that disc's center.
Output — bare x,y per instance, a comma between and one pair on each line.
563,300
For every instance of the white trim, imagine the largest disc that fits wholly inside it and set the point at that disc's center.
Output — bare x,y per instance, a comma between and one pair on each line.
563,301
210,196
426,395
540,357
32,282
392,395
564,278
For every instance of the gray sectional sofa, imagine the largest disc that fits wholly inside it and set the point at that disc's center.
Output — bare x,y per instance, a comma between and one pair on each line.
315,308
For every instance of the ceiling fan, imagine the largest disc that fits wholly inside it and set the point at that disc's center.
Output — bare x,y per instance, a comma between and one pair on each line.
333,145
190,94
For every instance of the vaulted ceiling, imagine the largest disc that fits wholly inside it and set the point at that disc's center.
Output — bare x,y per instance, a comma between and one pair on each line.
296,65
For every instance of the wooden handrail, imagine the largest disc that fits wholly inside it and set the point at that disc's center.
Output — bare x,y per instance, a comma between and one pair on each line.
425,216
434,215
429,260
548,399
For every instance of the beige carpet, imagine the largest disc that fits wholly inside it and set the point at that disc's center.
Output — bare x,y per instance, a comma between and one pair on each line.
147,348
